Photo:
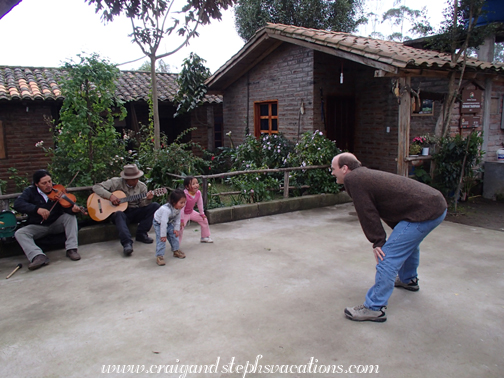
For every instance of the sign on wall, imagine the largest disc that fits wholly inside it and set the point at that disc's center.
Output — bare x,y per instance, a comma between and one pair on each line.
468,121
471,100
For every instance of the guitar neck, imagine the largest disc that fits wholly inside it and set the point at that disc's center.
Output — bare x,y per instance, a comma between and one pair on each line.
134,197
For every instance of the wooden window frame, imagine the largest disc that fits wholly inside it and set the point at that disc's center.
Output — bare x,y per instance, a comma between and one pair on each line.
269,117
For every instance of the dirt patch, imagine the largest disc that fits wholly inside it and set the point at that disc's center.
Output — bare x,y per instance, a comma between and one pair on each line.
478,212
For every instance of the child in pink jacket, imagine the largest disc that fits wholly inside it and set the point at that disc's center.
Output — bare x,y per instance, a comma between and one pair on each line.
188,213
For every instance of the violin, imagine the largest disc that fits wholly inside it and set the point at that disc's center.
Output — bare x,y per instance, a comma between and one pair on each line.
59,194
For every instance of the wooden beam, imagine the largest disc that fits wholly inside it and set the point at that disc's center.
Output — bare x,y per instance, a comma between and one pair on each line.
403,128
424,72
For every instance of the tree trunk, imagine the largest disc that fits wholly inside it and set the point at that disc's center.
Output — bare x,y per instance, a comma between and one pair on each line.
155,105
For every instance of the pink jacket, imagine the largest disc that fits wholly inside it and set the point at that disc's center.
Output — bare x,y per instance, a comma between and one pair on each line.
192,201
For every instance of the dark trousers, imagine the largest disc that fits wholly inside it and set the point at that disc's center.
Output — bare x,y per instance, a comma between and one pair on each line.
141,215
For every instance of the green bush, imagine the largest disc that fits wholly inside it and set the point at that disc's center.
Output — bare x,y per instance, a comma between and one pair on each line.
449,157
85,139
176,158
313,149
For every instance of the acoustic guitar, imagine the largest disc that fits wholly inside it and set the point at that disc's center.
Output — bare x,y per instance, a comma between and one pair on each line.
100,208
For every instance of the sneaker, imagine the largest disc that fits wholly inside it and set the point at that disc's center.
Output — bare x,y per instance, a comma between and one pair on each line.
206,240
411,286
128,250
160,261
144,238
38,262
179,254
73,255
362,313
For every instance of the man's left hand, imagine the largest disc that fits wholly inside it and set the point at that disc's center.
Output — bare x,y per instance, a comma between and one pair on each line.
150,195
378,254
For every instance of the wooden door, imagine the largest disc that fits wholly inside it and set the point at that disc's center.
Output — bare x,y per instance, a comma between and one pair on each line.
340,124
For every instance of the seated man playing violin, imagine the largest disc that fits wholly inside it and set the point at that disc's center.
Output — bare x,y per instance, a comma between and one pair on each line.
140,211
45,216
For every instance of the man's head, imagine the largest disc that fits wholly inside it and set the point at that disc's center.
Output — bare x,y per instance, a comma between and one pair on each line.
131,174
342,164
42,180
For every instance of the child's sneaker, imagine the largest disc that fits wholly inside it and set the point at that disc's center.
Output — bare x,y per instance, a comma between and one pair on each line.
206,240
160,261
179,254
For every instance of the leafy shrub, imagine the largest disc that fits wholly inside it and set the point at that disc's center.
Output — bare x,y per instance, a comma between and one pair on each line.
449,158
267,152
85,139
3,186
313,149
21,182
176,158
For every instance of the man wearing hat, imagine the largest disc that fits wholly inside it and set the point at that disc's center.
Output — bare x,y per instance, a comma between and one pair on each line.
140,211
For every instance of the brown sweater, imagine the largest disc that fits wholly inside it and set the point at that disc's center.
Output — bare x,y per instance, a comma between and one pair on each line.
393,198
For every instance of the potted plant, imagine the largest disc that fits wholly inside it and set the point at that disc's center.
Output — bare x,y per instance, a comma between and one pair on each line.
414,149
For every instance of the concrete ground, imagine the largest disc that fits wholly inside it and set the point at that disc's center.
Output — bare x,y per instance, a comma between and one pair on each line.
269,292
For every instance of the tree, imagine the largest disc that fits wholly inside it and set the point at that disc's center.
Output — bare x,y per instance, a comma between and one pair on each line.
161,67
152,15
402,15
456,35
341,15
191,84
85,139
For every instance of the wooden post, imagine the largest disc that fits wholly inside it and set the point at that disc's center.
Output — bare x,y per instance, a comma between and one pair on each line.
403,130
204,193
286,184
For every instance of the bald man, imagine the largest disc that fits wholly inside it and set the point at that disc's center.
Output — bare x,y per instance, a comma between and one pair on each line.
410,208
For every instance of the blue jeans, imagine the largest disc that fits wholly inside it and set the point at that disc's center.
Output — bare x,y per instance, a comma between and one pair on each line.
402,257
170,236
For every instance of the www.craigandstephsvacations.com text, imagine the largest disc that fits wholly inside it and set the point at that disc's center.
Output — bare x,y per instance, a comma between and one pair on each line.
232,367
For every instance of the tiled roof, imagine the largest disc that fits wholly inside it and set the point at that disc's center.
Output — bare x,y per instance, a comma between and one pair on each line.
28,83
393,53
385,55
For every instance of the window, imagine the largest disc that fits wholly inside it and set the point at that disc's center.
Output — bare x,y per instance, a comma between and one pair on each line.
265,117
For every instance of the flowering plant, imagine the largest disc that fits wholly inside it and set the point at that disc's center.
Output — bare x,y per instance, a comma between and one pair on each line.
421,140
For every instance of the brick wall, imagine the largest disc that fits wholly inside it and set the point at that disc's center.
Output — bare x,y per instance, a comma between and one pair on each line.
285,75
377,109
293,74
495,133
22,130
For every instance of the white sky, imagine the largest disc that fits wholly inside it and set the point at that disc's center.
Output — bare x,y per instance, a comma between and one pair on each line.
47,33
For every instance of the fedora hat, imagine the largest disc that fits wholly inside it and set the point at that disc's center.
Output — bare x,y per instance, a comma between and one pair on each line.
131,172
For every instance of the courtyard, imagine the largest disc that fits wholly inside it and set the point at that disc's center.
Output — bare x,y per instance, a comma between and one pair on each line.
268,294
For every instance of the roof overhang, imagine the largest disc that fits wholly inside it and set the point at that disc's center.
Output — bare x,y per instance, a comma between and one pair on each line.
264,43
387,57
